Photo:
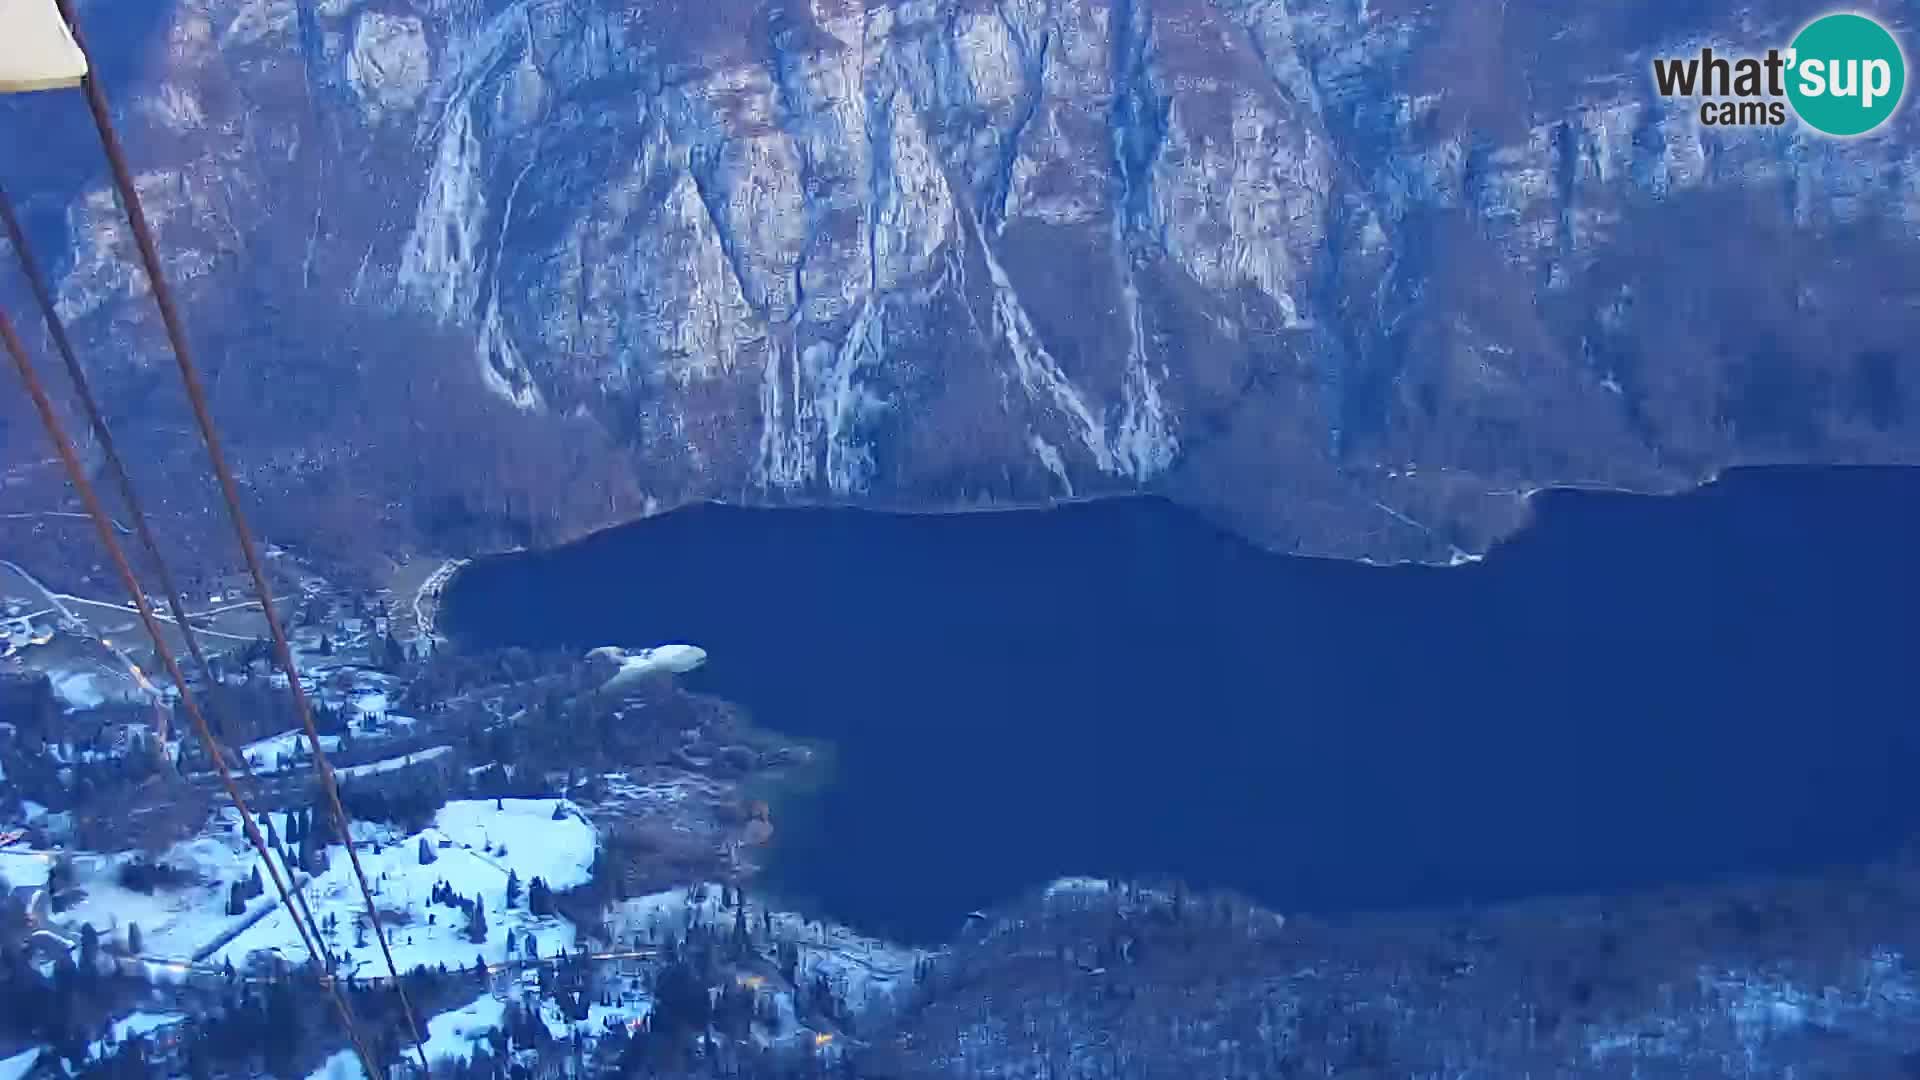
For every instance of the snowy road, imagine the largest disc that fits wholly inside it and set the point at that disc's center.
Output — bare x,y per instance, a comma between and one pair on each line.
426,599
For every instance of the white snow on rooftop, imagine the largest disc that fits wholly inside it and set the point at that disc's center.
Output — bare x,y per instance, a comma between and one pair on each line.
1060,886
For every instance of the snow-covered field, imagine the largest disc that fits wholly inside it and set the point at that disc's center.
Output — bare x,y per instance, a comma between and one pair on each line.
173,922
17,1066
80,689
485,844
88,683
455,1034
559,851
22,868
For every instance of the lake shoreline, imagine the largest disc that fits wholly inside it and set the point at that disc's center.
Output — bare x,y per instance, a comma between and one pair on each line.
1123,688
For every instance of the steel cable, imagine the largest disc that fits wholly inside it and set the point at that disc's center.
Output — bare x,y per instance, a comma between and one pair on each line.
64,346
103,526
196,395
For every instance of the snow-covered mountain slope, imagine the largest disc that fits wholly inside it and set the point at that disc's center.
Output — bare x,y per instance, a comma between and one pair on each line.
1353,277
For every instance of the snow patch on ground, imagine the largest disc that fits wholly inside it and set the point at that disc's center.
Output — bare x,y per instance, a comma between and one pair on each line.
455,1034
173,922
19,1065
286,744
1763,1007
559,851
344,1065
385,765
1076,885
865,972
23,869
136,1023
599,1018
79,689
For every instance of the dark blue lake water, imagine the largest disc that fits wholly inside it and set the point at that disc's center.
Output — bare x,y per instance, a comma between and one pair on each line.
1634,691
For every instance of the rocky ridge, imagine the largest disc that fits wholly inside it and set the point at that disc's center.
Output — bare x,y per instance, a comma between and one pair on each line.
1354,278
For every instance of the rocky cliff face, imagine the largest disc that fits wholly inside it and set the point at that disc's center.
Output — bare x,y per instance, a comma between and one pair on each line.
1352,276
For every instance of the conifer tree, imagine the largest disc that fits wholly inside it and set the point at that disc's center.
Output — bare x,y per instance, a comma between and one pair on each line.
313,852
89,950
477,922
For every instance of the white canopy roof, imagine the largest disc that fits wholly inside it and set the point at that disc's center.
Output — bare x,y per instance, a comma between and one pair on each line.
37,51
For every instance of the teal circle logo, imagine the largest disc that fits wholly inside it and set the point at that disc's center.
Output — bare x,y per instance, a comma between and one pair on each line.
1846,74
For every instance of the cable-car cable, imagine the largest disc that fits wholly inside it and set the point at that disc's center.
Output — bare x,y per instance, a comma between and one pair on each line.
56,329
115,467
196,395
76,474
